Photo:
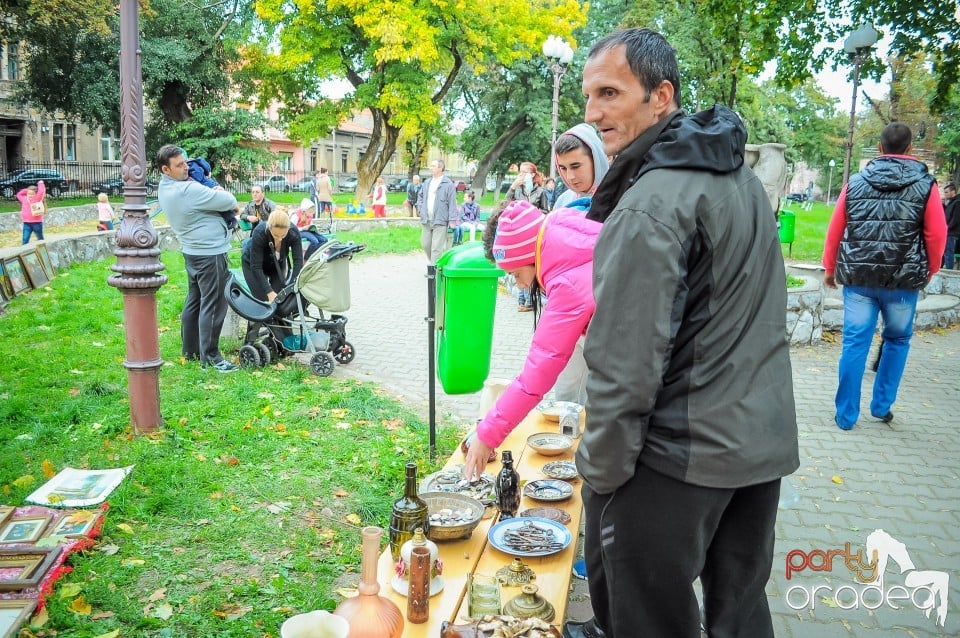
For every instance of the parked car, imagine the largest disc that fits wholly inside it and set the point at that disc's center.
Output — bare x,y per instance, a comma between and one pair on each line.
54,181
460,185
114,186
302,185
275,183
347,185
397,184
797,197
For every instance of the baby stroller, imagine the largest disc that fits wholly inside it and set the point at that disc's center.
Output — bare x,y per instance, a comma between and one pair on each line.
324,282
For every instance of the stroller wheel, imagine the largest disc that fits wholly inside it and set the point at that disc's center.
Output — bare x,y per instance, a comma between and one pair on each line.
249,356
276,350
264,351
322,364
345,353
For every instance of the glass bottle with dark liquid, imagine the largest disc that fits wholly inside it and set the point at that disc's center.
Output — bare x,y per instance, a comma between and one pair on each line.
409,513
508,487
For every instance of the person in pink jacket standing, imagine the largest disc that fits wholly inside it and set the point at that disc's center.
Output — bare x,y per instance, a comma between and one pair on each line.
551,254
32,208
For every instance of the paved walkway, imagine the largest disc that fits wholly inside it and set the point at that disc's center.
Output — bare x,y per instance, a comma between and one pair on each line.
903,478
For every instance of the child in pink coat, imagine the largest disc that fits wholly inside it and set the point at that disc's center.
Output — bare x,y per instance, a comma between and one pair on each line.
32,208
551,254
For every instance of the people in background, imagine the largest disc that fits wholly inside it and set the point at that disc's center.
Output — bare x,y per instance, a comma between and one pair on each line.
437,203
469,217
951,209
581,162
258,209
379,198
104,213
302,218
413,194
32,209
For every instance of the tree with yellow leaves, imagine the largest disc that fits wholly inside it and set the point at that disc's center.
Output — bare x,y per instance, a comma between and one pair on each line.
401,59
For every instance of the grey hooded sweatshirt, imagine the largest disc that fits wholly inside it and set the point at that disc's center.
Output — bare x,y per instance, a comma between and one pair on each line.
588,136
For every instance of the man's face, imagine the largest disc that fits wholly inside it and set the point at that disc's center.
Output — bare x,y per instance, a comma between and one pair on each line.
576,169
416,180
435,169
949,193
617,103
176,168
257,194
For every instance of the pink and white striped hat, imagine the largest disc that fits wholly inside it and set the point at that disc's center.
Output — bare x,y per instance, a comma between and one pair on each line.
516,240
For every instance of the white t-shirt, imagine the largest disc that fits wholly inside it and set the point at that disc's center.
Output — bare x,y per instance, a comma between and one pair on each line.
432,196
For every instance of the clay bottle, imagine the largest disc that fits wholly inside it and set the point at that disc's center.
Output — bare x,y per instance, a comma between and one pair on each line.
369,614
409,513
508,487
418,594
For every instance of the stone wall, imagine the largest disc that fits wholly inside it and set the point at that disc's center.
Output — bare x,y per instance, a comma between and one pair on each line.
66,251
805,312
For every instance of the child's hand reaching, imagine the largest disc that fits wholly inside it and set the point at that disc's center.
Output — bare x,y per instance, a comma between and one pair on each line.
478,455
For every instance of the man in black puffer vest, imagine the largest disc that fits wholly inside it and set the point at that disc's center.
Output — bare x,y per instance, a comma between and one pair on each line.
885,240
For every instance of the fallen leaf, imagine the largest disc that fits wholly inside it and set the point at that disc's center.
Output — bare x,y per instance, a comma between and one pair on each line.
342,425
100,615
132,562
69,591
40,618
341,493
265,409
82,516
339,413
353,519
164,611
234,508
280,427
232,612
159,594
74,391
53,497
280,366
109,634
216,495
393,424
48,470
837,480
24,481
347,592
126,529
80,607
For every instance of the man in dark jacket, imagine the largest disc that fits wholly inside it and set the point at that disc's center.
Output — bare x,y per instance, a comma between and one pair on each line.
884,241
690,421
951,209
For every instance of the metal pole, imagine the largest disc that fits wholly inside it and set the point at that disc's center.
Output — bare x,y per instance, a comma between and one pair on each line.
431,355
138,264
857,61
557,74
830,184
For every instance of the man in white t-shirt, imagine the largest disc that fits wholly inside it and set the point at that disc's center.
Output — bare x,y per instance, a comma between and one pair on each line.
437,204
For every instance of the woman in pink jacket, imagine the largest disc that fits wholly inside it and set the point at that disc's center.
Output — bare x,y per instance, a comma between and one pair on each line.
32,208
551,254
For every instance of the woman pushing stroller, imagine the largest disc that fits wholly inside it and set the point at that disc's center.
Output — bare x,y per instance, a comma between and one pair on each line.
272,257
552,254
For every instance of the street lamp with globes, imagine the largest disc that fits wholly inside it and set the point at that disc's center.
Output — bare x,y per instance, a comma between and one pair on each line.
831,164
857,45
559,53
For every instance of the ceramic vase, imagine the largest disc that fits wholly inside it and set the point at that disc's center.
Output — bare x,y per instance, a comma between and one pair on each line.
418,592
371,615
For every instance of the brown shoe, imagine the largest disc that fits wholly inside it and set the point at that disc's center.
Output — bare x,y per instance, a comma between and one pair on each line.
525,309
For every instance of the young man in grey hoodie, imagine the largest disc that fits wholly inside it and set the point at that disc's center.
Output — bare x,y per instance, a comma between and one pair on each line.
194,213
581,162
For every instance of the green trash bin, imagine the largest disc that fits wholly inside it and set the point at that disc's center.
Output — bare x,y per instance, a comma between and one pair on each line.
466,300
788,225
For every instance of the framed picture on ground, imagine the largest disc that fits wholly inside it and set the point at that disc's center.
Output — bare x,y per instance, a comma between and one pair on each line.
13,613
5,284
18,278
23,568
23,530
45,260
75,525
34,269
5,512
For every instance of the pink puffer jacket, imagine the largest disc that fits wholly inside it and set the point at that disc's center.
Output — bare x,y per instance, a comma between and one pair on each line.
566,271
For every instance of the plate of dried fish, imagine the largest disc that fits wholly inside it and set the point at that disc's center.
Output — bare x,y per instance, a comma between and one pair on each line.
529,536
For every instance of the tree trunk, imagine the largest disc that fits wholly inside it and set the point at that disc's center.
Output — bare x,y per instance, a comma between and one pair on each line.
382,145
418,148
491,156
173,104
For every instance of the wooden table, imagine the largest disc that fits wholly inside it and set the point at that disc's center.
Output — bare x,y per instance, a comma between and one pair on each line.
475,555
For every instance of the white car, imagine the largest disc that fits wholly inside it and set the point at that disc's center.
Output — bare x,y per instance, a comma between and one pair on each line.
275,183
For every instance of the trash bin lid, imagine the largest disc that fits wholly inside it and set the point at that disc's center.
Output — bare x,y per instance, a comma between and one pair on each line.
467,261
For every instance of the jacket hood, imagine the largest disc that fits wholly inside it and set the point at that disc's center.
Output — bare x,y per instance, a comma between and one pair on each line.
889,173
588,135
568,241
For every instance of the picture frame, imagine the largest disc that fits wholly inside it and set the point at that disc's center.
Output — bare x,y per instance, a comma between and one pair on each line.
45,260
5,512
5,284
71,487
25,568
19,283
14,612
25,529
72,528
34,269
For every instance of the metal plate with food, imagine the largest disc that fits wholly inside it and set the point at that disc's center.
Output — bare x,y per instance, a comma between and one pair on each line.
451,480
550,513
548,490
551,410
527,537
566,470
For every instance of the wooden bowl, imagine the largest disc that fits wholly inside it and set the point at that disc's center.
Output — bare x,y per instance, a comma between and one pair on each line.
437,501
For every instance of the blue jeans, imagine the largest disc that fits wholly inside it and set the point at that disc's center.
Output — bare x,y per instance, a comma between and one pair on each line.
523,297
860,309
457,235
32,227
949,253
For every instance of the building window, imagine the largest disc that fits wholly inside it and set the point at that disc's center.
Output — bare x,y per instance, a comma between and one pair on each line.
13,64
71,155
285,163
58,142
313,160
109,146
343,162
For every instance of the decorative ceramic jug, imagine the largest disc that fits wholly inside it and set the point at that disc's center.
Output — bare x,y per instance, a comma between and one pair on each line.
369,614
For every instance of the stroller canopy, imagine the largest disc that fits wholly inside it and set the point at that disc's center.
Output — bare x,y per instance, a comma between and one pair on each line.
324,280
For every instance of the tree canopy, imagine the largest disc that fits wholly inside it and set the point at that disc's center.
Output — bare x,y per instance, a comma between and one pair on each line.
401,59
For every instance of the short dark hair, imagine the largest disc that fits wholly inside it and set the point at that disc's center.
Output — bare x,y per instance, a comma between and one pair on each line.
569,142
650,56
166,153
896,138
950,186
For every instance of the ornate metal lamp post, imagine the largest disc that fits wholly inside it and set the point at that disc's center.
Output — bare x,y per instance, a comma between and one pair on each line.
138,265
831,164
560,54
857,45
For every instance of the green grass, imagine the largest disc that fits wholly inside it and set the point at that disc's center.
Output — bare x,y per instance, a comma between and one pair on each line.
811,230
235,512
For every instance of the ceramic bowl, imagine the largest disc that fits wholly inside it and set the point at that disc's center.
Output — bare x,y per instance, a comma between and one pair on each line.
566,470
550,443
548,490
437,501
551,410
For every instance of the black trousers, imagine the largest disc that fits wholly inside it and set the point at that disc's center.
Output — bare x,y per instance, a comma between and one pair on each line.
646,543
205,307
